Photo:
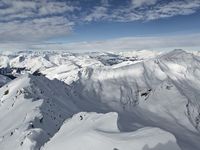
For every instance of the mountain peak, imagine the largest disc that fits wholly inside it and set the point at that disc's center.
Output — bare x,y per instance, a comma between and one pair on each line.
176,55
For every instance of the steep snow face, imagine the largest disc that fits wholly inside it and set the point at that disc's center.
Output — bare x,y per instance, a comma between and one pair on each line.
99,131
4,80
183,70
32,109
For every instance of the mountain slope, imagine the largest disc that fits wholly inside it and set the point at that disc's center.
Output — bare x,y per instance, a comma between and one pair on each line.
155,99
32,109
160,92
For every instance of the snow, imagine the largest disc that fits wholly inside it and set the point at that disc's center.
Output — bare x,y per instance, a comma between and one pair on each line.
85,128
31,111
142,54
101,101
4,80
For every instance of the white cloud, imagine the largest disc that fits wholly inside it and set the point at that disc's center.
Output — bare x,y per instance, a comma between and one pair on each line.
139,3
138,10
36,20
39,20
128,43
98,13
29,8
172,9
35,29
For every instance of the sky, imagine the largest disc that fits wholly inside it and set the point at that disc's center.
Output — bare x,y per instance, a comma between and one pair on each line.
99,25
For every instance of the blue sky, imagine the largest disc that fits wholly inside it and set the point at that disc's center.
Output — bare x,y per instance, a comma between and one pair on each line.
99,25
178,25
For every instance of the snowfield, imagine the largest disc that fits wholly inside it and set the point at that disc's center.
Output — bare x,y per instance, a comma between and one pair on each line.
141,100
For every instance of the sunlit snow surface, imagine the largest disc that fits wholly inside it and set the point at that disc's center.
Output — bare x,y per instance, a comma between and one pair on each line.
139,100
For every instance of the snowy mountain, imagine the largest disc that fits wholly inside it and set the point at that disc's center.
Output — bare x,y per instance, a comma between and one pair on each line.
32,109
130,100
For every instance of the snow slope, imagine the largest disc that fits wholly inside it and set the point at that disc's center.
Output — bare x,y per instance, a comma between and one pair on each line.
160,92
93,131
32,109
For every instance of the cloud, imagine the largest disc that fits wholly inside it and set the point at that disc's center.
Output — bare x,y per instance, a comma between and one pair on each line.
139,3
127,43
32,21
142,10
26,9
35,29
98,13
172,9
27,20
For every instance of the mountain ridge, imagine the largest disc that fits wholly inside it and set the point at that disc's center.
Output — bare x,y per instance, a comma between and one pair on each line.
160,92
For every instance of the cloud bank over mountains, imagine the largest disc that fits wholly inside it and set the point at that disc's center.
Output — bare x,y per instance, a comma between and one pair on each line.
118,44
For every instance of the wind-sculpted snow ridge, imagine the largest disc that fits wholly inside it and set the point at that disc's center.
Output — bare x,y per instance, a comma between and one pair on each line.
100,131
156,100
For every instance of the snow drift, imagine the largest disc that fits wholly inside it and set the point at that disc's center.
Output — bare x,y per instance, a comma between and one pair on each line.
100,131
